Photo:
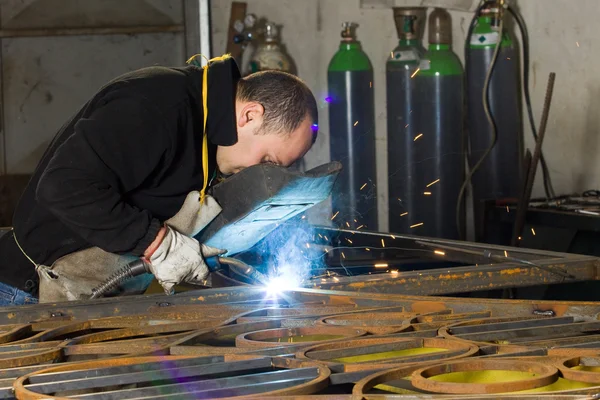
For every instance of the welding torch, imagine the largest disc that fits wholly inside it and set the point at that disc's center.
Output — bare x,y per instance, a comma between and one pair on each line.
139,266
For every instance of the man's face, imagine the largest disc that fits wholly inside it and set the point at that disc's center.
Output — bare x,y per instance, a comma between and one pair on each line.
266,147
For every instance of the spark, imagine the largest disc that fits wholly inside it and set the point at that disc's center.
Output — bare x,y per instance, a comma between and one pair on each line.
336,279
370,84
508,58
427,193
307,246
343,255
415,225
326,238
507,209
519,238
406,126
440,252
359,227
304,216
577,43
326,251
415,73
394,272
321,236
347,224
382,243
349,241
404,213
434,182
355,221
393,237
323,280
392,54
383,265
335,215
505,253
356,123
367,249
533,231
417,137
361,188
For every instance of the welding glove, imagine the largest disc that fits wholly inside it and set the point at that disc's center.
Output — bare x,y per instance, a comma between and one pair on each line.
180,258
193,216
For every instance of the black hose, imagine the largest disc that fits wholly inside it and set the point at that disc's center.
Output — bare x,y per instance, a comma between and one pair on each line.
525,36
131,270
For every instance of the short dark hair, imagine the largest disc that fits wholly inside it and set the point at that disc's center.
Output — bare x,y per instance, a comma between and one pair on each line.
286,99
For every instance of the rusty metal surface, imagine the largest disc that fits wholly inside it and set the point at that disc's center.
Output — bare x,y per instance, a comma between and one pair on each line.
481,266
198,345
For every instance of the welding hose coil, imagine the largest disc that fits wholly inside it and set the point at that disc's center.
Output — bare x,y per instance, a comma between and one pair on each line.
131,270
139,267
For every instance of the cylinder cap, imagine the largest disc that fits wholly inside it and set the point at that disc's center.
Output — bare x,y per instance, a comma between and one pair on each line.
349,31
440,27
410,22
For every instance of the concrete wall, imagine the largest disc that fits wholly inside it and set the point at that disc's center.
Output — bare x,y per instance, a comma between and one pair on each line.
561,41
47,79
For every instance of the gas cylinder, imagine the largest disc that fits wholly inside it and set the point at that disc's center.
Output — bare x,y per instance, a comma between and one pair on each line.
352,132
269,55
437,159
401,129
500,175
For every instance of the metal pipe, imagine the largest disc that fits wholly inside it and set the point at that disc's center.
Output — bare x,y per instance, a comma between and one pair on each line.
204,28
241,268
121,30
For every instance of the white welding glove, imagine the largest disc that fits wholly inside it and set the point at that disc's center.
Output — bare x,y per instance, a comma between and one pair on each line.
180,258
193,216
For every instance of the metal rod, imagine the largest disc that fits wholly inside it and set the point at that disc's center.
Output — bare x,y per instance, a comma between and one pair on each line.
524,203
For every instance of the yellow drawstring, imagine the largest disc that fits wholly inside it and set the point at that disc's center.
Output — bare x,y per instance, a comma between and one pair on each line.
192,60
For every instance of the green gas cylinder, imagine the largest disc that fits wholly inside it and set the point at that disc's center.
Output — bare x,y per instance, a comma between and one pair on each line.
352,131
401,66
500,175
436,171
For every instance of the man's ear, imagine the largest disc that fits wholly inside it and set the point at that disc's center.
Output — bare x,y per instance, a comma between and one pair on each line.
250,111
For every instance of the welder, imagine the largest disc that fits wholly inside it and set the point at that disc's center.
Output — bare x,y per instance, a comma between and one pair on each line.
127,176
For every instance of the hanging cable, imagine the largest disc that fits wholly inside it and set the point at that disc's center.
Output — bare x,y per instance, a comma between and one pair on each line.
465,107
490,118
525,37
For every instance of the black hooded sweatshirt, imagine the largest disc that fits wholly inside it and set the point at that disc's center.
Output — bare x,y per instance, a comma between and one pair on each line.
120,167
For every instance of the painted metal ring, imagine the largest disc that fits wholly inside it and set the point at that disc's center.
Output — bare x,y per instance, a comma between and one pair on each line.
543,375
331,353
589,374
273,337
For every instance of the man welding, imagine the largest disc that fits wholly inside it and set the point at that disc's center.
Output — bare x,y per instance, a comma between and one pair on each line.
126,176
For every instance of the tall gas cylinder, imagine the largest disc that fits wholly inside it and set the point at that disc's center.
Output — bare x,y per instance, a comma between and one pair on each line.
500,175
352,132
401,129
269,55
436,167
